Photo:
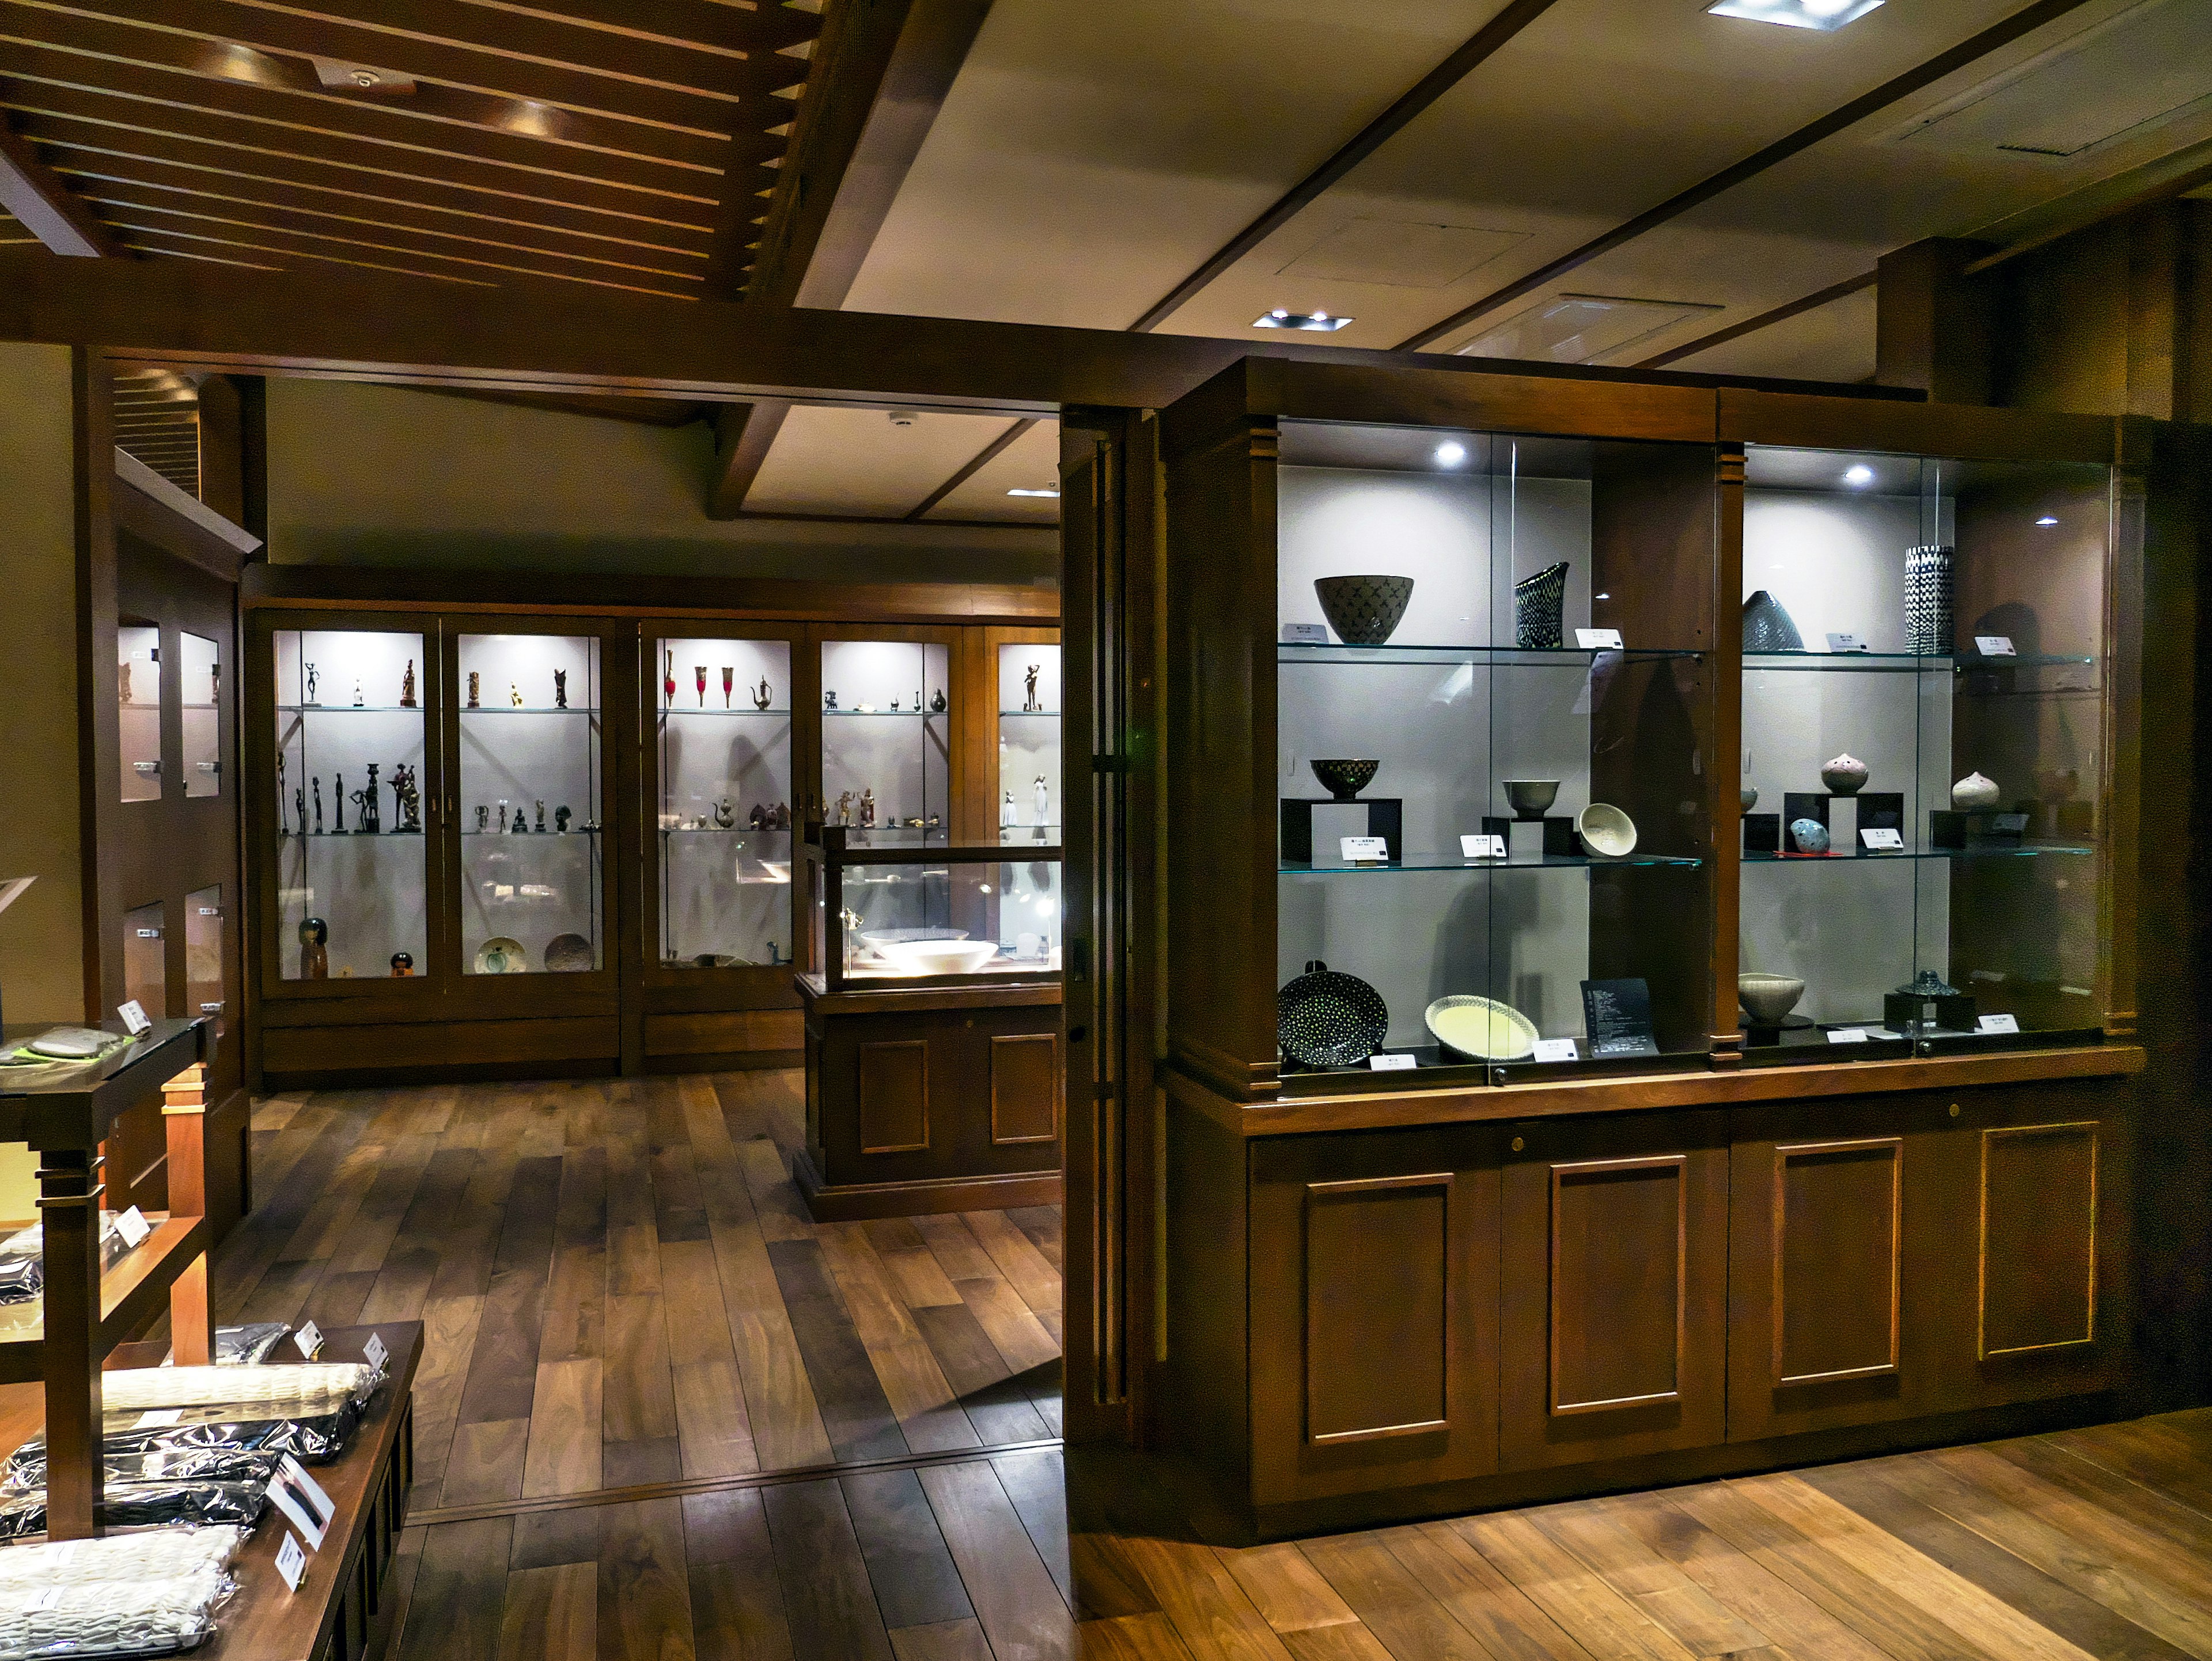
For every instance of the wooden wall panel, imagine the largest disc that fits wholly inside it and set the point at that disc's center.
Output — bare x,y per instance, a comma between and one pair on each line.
2038,1238
1838,1222
1377,1285
1619,1265
894,1096
725,1032
1024,1087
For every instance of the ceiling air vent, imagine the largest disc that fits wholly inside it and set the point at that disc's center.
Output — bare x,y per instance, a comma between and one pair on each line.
2151,63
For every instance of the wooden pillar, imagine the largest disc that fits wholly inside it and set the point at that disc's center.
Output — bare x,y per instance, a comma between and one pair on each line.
70,1192
1934,328
192,1315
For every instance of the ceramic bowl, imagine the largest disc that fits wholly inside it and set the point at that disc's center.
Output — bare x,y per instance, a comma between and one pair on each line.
1481,1028
1749,796
1327,1019
1365,611
501,956
568,954
1768,998
937,957
1810,835
1975,795
1605,831
1846,775
1531,798
1343,779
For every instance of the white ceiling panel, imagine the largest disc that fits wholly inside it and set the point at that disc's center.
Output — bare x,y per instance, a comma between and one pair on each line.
1031,462
859,462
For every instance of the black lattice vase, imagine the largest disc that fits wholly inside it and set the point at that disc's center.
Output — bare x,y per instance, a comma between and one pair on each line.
1929,589
1537,601
1365,611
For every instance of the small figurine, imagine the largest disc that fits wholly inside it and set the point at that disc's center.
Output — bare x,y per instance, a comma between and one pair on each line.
934,822
917,700
283,822
299,806
215,683
337,804
828,699
540,826
668,676
1029,704
315,953
484,818
761,694
780,818
845,808
728,676
503,815
699,674
560,689
356,693
319,806
403,965
757,819
724,815
561,821
475,687
895,706
867,809
370,818
513,695
407,801
1043,804
313,681
123,670
1008,816
937,700
407,687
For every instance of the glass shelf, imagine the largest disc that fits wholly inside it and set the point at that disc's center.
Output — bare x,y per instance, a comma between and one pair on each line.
893,715
756,715
1453,862
1496,656
1028,714
350,708
1904,662
570,835
531,710
2000,851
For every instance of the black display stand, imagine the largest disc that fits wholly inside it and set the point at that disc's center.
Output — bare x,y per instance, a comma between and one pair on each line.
1559,837
1386,817
1762,833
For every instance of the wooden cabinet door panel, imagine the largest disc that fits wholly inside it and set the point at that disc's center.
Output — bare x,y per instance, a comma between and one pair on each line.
1024,1087
1838,1220
2039,1231
894,1096
1374,1306
1614,1281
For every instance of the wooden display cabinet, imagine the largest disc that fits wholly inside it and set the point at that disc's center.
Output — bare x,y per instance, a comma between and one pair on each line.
1478,1280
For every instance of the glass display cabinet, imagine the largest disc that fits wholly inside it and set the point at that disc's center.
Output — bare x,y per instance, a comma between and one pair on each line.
887,726
1924,750
201,704
1026,671
896,909
138,700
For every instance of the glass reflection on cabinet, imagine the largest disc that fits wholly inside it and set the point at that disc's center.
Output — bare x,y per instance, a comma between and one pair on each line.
138,700
352,867
723,726
886,735
202,705
204,976
1029,739
145,963
529,804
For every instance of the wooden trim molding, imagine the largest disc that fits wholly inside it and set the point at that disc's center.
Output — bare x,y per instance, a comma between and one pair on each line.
1989,1137
1561,1174
1784,1155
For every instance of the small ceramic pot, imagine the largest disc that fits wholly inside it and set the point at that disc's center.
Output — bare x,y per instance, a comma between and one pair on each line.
1767,627
1531,798
1365,611
1767,998
1975,795
1342,779
1749,796
1606,831
1846,775
1810,835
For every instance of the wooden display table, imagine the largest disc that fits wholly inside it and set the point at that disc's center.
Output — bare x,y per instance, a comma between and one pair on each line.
65,1113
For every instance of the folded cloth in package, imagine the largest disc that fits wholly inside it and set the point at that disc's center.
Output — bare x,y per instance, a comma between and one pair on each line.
271,1391
249,1346
23,1263
217,1450
139,1594
144,1505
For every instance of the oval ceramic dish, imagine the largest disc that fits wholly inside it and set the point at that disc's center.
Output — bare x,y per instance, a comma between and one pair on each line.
961,956
568,954
501,956
1481,1028
1605,831
1323,1019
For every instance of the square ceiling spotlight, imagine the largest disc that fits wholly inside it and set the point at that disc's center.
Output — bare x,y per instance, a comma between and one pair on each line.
1580,328
1280,319
1827,15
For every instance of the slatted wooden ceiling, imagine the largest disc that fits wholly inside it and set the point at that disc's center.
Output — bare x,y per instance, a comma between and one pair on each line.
630,144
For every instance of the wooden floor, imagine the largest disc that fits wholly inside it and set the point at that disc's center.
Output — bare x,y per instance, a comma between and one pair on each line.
2089,1542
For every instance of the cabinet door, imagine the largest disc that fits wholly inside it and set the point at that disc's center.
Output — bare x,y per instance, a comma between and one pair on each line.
1374,1310
1614,1282
1842,1262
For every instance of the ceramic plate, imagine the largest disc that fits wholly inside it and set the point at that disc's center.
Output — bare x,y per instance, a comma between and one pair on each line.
1323,1019
501,956
1483,1028
568,953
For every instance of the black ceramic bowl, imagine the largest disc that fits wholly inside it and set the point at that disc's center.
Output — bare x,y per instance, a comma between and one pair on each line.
1365,611
1343,779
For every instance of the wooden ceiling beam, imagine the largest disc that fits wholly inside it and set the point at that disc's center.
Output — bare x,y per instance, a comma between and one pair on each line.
744,435
1897,88
635,411
2064,224
45,206
982,459
1476,50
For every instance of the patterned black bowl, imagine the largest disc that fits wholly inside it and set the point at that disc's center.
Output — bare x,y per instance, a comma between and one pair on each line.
1323,1019
1343,779
1365,611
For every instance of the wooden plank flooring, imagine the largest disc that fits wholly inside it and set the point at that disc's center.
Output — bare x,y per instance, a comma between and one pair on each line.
601,1264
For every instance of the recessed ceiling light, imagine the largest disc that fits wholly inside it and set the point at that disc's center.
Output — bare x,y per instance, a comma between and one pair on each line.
2046,519
1859,475
1824,15
1280,319
1450,453
1052,491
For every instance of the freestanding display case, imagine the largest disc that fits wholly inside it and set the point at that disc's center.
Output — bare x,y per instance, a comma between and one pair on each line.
932,1023
1506,1154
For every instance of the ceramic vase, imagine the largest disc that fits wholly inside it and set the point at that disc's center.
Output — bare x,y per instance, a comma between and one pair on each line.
1365,611
1767,627
1846,775
1810,835
1929,588
1536,604
1975,795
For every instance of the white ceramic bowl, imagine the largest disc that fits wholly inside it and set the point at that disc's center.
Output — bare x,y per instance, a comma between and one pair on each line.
1481,1028
937,957
1605,831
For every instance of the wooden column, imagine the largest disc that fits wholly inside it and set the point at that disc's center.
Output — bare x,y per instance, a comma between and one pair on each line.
70,1191
1935,327
191,1315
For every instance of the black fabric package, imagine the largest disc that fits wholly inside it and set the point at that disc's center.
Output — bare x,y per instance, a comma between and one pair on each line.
314,1441
145,1505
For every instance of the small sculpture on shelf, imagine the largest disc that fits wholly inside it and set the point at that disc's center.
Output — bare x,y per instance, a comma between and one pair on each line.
561,817
403,965
314,681
484,818
406,800
407,687
828,699
1009,815
123,683
780,817
845,808
895,706
560,689
668,676
917,700
1846,775
729,675
540,826
476,689
868,809
757,819
337,804
1029,704
300,807
319,806
1975,795
934,822
503,815
284,820
699,674
315,949
725,815
937,701
762,696
1043,804
370,801
514,696
356,694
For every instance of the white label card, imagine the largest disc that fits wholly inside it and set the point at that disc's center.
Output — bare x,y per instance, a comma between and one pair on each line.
135,1019
1390,1064
1881,841
301,1499
1994,645
1845,643
1598,640
1997,1023
309,1338
1847,1035
133,1227
1364,850
1305,634
1482,847
1555,1050
158,1419
375,1352
291,1561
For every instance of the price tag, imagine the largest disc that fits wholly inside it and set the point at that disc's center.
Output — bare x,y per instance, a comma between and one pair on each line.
135,1019
1305,634
1482,847
2008,825
1880,840
309,1338
1847,1035
375,1352
291,1561
1555,1050
1598,640
133,1227
1390,1064
1997,1023
1994,645
301,1499
1364,850
1846,643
